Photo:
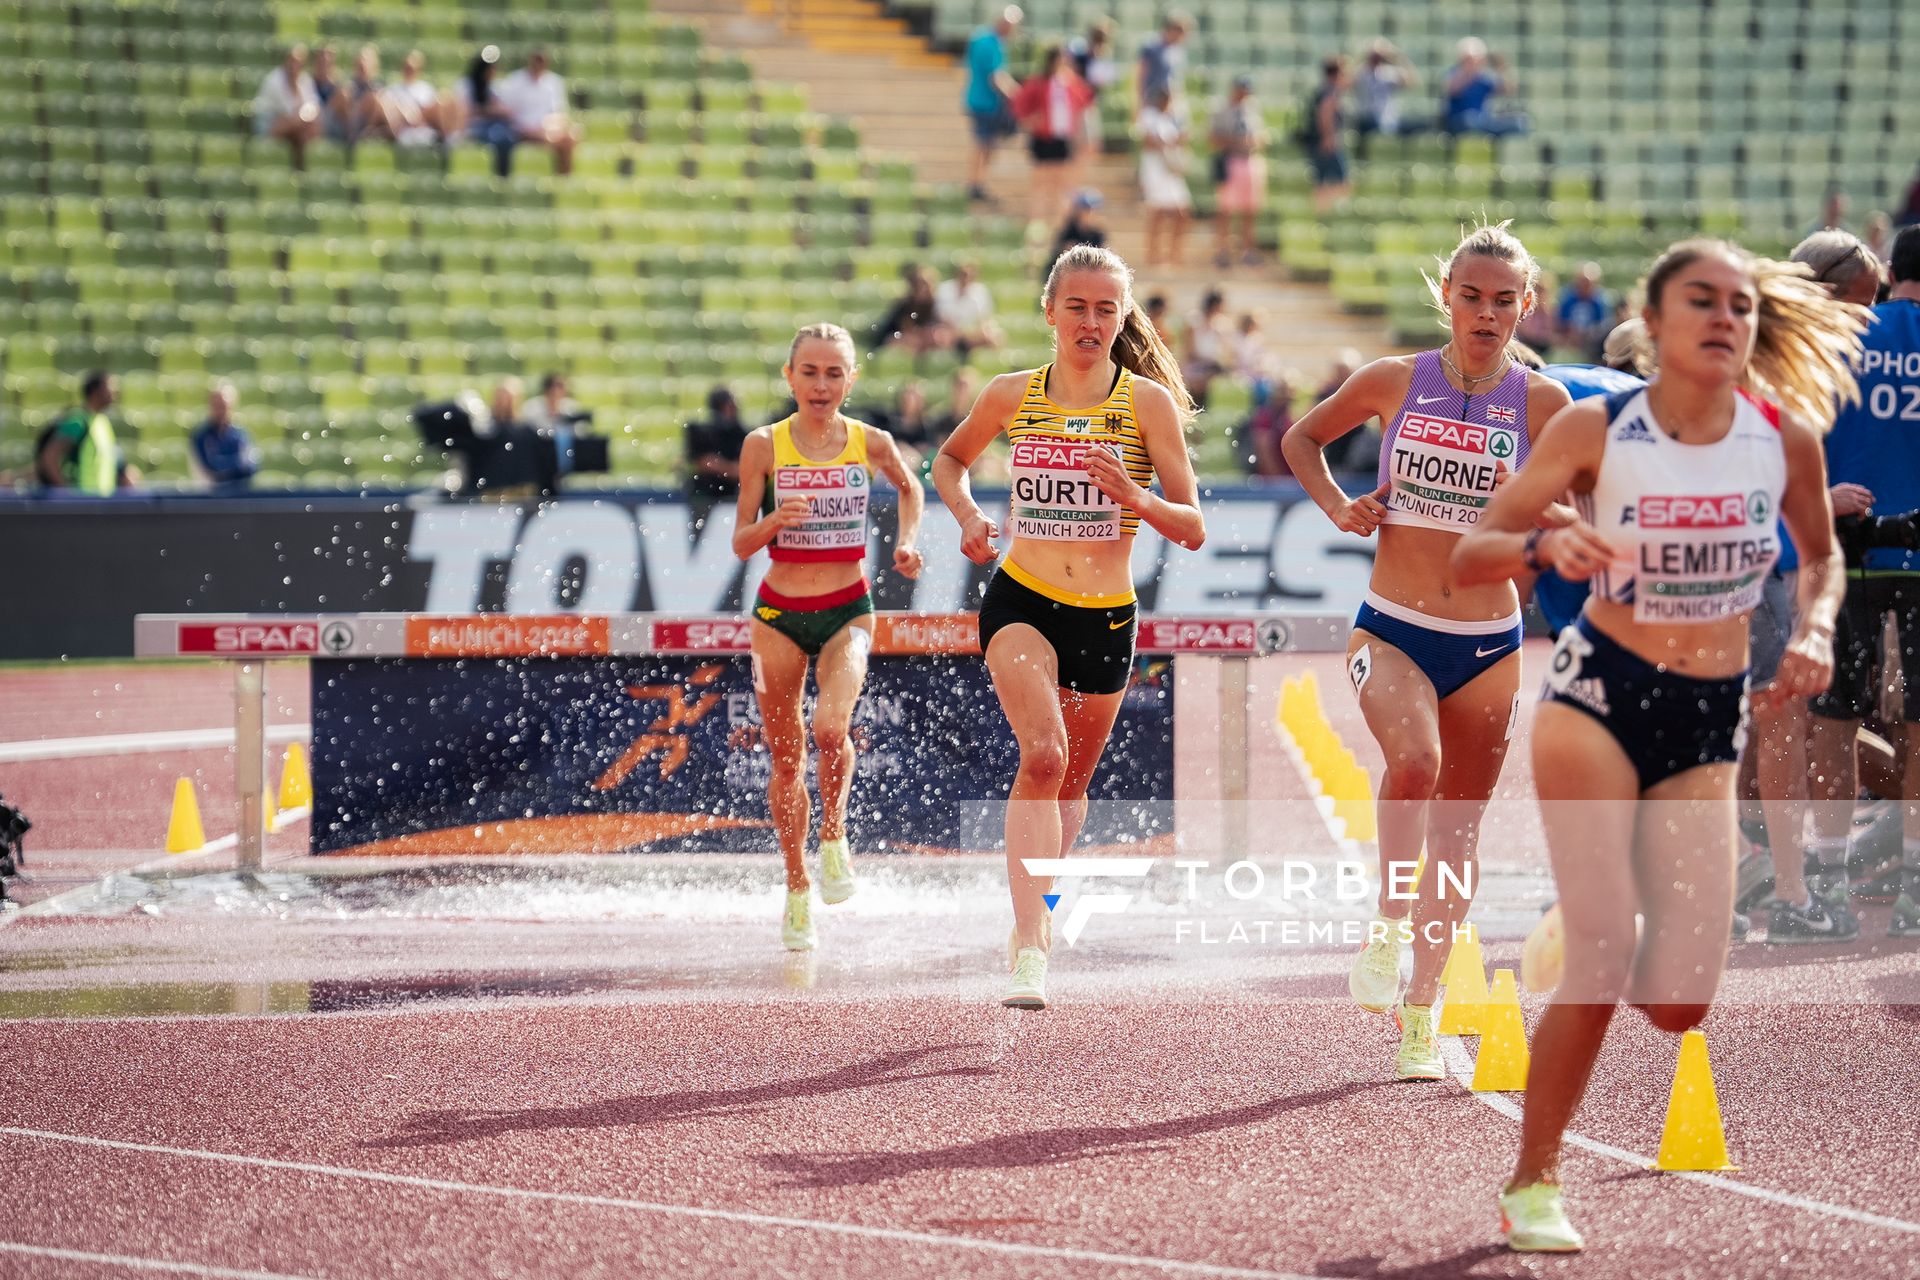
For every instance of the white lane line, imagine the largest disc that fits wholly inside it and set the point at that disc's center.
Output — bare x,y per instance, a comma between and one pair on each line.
120,744
143,1264
1462,1068
1173,1266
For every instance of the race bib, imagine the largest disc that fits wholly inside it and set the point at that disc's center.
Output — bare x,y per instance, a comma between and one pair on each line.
1443,469
837,500
1054,500
1701,558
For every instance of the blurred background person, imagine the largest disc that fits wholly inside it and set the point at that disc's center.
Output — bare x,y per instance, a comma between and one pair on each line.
221,450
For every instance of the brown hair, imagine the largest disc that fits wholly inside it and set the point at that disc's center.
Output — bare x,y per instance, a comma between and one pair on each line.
1805,341
1838,259
1137,347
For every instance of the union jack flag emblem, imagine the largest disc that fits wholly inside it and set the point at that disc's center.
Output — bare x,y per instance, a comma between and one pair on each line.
1499,413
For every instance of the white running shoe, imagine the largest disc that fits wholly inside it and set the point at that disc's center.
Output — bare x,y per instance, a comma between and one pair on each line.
1374,979
796,929
1013,941
836,871
1027,989
1419,1057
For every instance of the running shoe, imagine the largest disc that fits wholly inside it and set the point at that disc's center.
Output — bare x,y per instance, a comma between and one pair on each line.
1742,925
1816,922
836,871
1374,979
1878,885
796,930
1906,919
1027,989
1419,1048
1829,883
1013,941
1536,1222
1543,957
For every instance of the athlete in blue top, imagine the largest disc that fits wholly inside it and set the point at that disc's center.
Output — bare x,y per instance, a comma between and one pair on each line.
1875,443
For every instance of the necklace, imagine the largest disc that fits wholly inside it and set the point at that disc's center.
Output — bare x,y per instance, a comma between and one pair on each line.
1469,379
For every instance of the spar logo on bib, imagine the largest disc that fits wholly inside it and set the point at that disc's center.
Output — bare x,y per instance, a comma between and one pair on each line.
1466,437
856,477
1689,511
1501,444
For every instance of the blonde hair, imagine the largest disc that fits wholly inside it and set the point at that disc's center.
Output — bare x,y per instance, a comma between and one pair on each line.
1487,240
827,333
1137,347
1805,341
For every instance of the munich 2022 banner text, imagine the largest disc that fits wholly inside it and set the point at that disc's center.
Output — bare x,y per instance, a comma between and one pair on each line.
79,570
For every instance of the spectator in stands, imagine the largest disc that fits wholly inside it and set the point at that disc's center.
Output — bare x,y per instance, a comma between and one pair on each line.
1272,417
1163,178
1163,61
1473,85
1833,212
361,104
222,450
1909,211
1584,316
913,321
713,459
554,407
1878,236
1538,328
965,307
1156,310
961,394
483,113
1239,172
1357,451
413,105
1325,136
326,88
912,425
1250,351
80,451
1083,225
990,88
1050,107
536,102
1209,347
1092,56
1384,77
287,106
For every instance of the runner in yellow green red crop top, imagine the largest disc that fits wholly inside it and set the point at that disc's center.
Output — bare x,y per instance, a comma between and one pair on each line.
1089,432
803,498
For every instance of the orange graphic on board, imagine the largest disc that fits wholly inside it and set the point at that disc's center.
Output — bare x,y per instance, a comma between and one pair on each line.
666,736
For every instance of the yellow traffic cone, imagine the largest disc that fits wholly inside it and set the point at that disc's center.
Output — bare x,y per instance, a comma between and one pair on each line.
184,832
1694,1138
1310,693
296,784
1464,1011
1501,1066
1460,949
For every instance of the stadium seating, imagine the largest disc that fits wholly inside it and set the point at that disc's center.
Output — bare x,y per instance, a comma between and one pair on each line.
143,229
1650,121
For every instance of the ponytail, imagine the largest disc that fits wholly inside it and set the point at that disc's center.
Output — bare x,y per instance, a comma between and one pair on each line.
1805,342
1137,348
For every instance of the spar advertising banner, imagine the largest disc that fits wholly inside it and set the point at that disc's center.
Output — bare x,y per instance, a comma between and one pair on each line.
79,570
607,754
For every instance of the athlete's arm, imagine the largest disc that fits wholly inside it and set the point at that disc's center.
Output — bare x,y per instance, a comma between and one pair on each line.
1807,666
1545,397
751,531
1567,456
1374,391
884,452
990,415
1177,516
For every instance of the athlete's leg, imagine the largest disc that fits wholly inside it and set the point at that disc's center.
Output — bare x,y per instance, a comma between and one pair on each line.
1684,867
1403,714
1476,722
839,672
1089,721
1026,676
1778,747
780,680
1588,798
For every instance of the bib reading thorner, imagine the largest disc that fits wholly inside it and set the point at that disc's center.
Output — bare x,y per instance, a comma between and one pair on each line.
1054,500
835,490
1445,448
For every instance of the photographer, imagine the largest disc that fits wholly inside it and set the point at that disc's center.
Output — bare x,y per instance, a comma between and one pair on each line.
554,408
499,454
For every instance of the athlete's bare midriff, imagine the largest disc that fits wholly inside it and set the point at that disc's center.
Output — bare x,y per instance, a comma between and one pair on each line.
1412,569
1703,651
1097,569
791,579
